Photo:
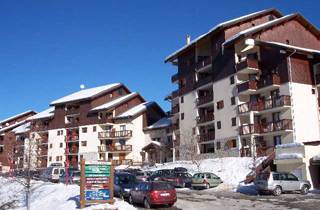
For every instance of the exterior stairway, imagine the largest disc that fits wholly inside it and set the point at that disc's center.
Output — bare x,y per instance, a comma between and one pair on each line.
260,168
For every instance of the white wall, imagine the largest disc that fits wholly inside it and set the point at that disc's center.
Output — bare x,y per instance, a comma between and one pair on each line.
56,150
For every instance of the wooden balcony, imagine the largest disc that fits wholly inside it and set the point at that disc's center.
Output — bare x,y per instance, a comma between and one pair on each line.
281,125
279,102
115,134
72,111
121,162
175,78
248,66
203,81
247,87
204,64
115,149
175,109
205,118
72,150
269,80
72,138
205,99
207,137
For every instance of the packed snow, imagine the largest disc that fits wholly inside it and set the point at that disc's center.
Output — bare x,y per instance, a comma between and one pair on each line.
162,123
49,196
22,128
136,109
15,116
44,114
285,156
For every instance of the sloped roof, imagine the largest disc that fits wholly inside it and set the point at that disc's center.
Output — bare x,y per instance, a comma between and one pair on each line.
16,116
10,127
115,102
162,123
22,128
223,25
267,25
44,114
85,94
136,110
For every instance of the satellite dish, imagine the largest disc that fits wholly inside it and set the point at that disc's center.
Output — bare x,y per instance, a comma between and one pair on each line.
82,86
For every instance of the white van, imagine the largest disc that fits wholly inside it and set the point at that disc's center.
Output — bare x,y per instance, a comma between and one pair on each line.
52,173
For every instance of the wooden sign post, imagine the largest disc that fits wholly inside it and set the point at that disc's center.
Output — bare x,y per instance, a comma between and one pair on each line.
96,183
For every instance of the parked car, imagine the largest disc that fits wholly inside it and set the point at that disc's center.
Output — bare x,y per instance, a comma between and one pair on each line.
52,173
178,179
180,170
124,182
153,193
141,176
73,177
156,175
278,182
205,180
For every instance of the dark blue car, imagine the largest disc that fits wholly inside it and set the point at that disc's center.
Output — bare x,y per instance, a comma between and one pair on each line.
123,184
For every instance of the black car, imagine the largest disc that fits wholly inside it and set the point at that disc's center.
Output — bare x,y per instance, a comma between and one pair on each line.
180,170
160,173
124,182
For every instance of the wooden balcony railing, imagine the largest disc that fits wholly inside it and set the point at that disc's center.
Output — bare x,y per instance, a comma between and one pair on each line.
249,85
203,63
72,138
285,124
175,109
204,99
115,134
280,101
205,118
117,148
72,111
247,63
268,80
122,162
207,136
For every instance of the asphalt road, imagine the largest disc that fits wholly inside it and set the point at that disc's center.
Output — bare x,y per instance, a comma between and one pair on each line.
228,200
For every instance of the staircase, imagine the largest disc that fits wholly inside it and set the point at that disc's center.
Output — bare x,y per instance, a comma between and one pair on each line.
260,168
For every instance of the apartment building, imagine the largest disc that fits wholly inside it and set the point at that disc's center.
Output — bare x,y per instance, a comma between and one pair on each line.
248,85
12,141
101,123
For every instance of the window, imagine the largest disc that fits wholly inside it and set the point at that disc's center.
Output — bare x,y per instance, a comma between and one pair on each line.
61,144
182,100
1,148
120,91
94,128
122,127
182,116
218,145
219,124
84,130
231,80
57,159
100,116
58,132
50,146
233,100
220,104
61,132
233,143
193,131
276,116
313,91
84,143
276,140
233,121
50,158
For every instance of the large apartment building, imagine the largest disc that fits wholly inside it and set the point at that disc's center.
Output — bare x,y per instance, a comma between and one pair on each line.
101,123
248,85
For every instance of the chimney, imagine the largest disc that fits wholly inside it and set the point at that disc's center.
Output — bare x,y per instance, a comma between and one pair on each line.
188,39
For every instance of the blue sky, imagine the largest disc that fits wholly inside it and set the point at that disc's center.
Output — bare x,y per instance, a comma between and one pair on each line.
49,48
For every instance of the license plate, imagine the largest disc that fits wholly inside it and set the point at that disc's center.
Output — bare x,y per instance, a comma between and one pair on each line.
165,194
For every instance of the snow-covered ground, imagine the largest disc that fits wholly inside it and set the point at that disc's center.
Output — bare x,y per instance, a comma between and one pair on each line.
232,170
49,196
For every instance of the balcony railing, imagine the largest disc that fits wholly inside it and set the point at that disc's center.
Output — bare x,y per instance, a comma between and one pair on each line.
248,85
175,109
121,162
72,111
115,134
251,63
204,99
207,136
117,148
204,63
258,128
205,118
281,101
273,79
175,78
72,138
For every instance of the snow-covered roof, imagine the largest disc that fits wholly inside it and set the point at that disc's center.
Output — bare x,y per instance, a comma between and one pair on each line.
136,110
85,94
162,123
257,28
4,129
152,143
44,114
219,26
115,102
16,116
22,128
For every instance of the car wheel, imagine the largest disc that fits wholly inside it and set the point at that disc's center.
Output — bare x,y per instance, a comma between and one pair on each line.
121,196
304,190
146,204
207,186
130,199
277,191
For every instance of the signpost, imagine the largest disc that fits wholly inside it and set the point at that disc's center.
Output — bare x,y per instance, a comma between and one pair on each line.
96,184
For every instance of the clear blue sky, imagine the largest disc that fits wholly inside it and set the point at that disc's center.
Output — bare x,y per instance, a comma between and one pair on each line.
48,48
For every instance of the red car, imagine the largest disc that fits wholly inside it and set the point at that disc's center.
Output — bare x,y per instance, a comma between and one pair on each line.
153,193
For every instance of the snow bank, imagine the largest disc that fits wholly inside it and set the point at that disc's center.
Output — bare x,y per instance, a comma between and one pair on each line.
285,156
49,196
290,145
232,170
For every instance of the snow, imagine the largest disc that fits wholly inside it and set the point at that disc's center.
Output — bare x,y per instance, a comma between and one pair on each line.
16,116
50,196
136,110
44,114
114,102
232,170
289,145
285,156
216,27
316,157
4,129
256,28
162,123
22,128
85,94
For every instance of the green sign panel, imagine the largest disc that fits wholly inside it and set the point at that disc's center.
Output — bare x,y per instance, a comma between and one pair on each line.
97,170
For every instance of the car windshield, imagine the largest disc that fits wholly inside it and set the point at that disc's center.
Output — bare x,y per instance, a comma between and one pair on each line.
162,186
263,176
126,179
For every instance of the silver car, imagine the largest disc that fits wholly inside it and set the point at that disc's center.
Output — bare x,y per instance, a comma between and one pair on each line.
278,182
